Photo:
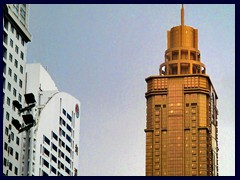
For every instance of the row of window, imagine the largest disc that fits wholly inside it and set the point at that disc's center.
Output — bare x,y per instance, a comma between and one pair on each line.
6,23
10,166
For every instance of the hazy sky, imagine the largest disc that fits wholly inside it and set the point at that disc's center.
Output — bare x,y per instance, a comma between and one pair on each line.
101,54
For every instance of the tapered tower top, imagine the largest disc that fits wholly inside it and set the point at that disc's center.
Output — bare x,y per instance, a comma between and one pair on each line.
182,55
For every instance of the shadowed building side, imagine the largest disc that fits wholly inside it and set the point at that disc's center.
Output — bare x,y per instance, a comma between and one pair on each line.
181,129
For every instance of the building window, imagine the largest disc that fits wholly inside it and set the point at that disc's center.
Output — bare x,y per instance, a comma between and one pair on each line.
8,101
15,77
22,42
6,24
16,63
5,146
22,55
17,35
5,162
19,97
21,69
69,128
64,111
68,149
68,138
10,166
54,136
44,173
54,147
22,13
9,86
11,43
7,116
67,159
14,92
54,158
53,170
12,29
20,83
6,131
10,149
10,72
10,57
45,163
45,151
16,155
69,117
46,140
67,170
16,171
12,135
17,140
16,49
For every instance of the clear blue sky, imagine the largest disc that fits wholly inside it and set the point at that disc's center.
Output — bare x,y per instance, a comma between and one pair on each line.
101,54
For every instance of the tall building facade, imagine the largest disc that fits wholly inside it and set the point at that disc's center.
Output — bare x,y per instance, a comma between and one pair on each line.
182,127
15,39
51,146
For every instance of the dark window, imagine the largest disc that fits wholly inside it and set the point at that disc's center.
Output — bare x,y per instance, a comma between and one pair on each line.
8,101
16,155
21,69
54,136
10,150
10,72
22,42
45,163
17,35
63,144
54,147
69,117
9,86
20,83
69,128
14,92
16,170
10,57
22,55
6,131
11,42
16,63
64,111
68,149
67,159
44,173
45,151
15,77
5,146
5,162
12,29
46,140
67,170
17,140
53,170
62,155
7,116
62,165
16,49
68,138
54,158
10,166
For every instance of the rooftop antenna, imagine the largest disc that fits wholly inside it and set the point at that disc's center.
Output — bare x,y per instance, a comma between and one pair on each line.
182,16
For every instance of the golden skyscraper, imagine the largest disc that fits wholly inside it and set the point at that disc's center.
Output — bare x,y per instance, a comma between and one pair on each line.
181,128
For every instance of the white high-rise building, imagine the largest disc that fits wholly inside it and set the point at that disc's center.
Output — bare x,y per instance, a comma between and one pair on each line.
15,38
51,145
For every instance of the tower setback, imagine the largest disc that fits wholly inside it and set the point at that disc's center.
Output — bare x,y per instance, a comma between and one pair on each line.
181,128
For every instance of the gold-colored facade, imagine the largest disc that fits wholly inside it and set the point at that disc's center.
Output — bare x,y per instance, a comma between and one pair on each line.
181,128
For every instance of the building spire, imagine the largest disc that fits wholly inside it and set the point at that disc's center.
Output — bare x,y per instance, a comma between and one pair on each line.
182,16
